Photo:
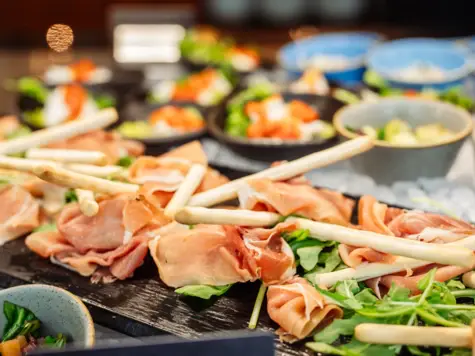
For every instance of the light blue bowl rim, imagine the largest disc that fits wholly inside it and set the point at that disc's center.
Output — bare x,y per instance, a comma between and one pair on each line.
438,44
357,62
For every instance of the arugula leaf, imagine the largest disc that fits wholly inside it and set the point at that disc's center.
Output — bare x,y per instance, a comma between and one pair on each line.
70,196
460,352
45,227
417,351
354,348
366,296
397,293
203,291
309,256
329,261
455,284
126,161
340,327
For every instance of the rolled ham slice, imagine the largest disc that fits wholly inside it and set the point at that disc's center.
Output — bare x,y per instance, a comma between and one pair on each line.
272,254
287,198
109,143
107,246
19,213
162,176
206,254
299,309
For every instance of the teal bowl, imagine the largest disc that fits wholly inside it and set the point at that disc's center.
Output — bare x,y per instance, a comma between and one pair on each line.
387,163
58,310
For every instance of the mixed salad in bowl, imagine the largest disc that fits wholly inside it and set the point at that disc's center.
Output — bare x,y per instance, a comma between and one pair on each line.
22,333
400,132
43,107
166,121
206,88
83,71
205,46
259,114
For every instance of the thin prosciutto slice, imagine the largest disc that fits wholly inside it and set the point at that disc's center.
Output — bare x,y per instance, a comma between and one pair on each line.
116,238
272,254
161,176
427,227
409,280
299,309
207,254
287,198
110,143
19,213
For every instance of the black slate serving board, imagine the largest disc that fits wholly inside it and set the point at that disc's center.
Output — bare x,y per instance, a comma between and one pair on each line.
143,305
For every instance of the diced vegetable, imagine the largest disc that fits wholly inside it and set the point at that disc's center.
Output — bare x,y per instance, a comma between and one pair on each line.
104,101
346,96
135,129
35,117
33,88
394,128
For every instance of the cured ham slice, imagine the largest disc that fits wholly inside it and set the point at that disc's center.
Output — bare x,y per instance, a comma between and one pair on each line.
273,255
110,143
381,285
299,309
20,213
427,227
430,227
298,199
207,254
116,238
161,176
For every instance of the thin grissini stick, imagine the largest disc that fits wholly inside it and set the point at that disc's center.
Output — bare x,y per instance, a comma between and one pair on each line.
456,256
373,270
198,215
185,190
66,178
68,156
469,279
73,128
27,165
287,170
414,335
98,171
22,164
87,203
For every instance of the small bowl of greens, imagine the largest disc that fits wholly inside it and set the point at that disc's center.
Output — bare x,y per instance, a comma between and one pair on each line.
265,125
206,88
414,137
160,126
40,316
41,106
204,46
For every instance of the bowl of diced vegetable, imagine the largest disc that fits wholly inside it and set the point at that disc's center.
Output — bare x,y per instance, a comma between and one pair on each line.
40,316
414,137
160,126
41,106
265,125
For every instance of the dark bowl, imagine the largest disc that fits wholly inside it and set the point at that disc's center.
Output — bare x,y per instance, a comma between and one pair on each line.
267,151
196,66
26,103
140,111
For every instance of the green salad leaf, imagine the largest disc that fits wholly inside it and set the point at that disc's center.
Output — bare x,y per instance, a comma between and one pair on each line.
373,79
33,88
70,196
57,342
20,321
104,101
126,161
35,117
203,291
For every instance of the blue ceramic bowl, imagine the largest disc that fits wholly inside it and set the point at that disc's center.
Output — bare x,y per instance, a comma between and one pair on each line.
295,56
387,163
58,310
391,57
